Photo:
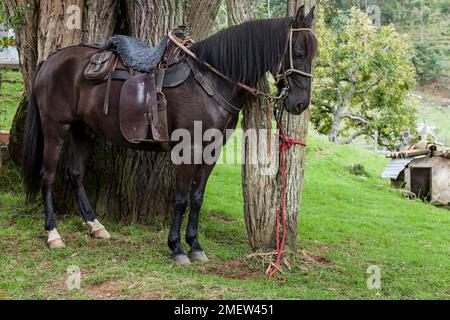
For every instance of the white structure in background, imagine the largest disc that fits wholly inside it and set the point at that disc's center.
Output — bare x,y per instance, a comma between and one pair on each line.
426,131
8,56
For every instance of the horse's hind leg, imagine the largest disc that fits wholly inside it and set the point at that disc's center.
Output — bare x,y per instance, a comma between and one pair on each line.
54,135
82,150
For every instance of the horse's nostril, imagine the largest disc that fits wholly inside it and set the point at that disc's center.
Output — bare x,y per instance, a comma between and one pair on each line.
300,106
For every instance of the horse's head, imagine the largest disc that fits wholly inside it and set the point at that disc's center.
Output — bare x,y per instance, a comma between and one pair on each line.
295,69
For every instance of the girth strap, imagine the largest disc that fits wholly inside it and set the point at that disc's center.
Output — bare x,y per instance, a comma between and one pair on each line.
203,82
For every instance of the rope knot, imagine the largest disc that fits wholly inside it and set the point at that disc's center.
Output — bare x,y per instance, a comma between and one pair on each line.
288,142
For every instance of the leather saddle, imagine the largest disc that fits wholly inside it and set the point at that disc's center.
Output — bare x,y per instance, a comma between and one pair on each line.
142,104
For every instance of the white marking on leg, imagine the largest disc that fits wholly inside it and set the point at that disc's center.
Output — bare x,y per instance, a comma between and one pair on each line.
53,236
95,225
54,240
98,231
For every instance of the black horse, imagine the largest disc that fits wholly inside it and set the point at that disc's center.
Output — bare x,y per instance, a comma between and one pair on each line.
64,103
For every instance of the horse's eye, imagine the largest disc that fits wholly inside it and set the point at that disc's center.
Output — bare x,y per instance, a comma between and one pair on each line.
299,54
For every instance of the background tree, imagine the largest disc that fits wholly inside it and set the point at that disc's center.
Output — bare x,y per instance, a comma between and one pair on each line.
124,184
428,61
363,76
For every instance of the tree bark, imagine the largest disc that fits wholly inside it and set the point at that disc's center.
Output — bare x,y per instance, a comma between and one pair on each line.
296,127
262,192
239,11
200,17
259,178
259,186
122,184
26,41
291,7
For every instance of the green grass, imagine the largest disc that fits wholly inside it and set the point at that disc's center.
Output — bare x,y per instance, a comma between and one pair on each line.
431,110
11,92
347,222
438,33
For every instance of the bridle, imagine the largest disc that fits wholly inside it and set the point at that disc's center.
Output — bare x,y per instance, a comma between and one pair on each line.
281,75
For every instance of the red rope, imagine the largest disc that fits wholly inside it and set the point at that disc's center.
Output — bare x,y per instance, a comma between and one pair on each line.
286,143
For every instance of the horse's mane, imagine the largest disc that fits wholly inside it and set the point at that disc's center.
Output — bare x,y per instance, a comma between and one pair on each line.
246,52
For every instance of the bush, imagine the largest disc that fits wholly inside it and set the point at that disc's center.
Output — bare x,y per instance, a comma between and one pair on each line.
427,60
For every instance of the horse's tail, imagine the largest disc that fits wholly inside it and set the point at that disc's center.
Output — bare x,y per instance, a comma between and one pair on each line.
33,151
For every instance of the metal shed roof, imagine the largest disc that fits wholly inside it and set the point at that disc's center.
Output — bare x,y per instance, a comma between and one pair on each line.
395,167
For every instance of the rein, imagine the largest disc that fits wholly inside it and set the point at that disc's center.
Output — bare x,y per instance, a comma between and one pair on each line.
280,75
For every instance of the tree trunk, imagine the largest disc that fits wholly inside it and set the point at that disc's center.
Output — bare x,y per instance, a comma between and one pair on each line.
259,178
200,17
296,127
259,186
291,7
261,192
26,39
123,184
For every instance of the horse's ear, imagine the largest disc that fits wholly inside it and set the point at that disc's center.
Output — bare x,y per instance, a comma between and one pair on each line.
309,19
299,17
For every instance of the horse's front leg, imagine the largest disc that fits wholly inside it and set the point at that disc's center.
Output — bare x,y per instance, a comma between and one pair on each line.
196,199
184,176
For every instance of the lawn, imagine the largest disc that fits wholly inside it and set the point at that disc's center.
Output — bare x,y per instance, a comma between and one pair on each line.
347,223
432,110
11,90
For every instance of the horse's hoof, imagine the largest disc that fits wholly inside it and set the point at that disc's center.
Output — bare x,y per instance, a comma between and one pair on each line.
101,234
199,256
54,240
56,244
98,231
181,260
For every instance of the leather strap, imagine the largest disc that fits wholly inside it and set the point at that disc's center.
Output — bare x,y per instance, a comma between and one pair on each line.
152,108
160,80
203,82
108,86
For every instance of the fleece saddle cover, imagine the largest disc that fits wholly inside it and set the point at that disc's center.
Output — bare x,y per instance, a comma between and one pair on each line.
135,53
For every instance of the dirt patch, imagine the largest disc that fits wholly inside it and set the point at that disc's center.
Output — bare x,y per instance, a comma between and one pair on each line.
107,290
310,259
104,290
438,88
149,296
234,269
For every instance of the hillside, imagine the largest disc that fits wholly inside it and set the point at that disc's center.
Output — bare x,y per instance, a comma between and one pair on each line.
347,223
433,109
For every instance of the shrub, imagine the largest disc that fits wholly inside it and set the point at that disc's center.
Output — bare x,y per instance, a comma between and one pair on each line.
427,60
